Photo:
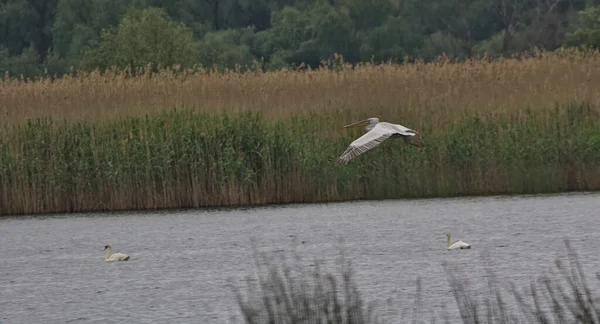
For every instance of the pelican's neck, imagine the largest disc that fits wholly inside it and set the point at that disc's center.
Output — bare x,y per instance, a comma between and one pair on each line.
108,253
370,126
448,240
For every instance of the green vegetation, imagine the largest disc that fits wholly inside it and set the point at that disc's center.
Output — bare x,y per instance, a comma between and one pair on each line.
114,141
48,37
588,35
147,37
190,159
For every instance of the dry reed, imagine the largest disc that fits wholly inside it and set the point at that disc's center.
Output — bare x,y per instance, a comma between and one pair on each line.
114,143
396,92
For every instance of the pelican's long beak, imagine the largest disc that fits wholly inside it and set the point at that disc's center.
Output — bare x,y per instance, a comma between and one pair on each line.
358,123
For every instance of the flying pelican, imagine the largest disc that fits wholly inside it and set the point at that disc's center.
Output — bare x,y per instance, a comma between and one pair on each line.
456,245
114,257
378,132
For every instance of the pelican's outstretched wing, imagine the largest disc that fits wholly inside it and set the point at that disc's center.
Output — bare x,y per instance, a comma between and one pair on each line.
372,138
376,136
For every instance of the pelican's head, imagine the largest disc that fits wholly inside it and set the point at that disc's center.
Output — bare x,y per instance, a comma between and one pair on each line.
107,246
447,234
369,122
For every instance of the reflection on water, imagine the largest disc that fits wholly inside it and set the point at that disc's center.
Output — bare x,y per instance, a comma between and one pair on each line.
53,268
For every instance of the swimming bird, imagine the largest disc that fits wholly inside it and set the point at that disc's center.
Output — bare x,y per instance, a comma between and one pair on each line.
114,257
376,133
456,245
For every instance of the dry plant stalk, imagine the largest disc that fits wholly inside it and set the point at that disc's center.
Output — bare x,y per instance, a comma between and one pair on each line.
445,88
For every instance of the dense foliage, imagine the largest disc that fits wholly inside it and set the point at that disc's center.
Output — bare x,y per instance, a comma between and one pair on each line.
52,36
183,159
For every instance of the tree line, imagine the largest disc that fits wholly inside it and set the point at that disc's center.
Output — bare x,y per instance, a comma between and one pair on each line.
53,37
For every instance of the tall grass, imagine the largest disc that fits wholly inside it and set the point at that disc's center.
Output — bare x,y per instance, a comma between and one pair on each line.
289,293
189,159
405,92
105,142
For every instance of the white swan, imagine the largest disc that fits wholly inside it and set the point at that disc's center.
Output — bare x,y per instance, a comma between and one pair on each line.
457,245
114,257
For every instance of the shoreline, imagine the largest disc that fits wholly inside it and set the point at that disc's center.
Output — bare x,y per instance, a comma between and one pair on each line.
93,213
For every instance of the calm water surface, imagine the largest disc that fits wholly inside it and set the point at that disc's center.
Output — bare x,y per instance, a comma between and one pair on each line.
52,269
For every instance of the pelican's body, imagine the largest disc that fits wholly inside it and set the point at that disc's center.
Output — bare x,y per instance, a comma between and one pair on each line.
114,257
378,132
456,245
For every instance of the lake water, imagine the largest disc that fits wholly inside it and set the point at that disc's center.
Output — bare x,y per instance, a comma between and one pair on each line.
52,268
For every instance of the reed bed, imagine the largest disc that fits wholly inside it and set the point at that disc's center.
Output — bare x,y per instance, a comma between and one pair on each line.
404,92
110,142
185,158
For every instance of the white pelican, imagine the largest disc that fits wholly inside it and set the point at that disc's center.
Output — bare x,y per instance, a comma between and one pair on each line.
457,245
114,257
376,133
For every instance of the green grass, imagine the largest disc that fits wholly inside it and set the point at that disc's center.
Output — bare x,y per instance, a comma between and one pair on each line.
190,159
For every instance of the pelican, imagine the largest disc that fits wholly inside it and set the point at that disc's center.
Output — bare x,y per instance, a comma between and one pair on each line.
457,245
377,132
114,257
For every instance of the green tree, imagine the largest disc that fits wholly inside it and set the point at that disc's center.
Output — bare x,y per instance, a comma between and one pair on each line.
367,14
226,48
588,34
290,29
307,36
24,65
196,14
214,15
395,38
52,35
25,23
80,21
334,32
143,37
